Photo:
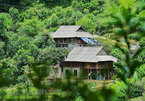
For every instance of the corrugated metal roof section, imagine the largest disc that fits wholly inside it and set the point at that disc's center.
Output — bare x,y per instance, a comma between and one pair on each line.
87,40
88,54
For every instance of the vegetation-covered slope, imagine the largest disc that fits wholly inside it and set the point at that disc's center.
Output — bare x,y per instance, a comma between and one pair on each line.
25,38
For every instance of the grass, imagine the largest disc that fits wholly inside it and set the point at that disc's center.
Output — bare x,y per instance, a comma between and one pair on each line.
98,84
138,99
93,84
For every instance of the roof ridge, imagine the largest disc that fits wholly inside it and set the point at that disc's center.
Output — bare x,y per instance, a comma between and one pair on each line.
89,47
88,54
70,25
66,31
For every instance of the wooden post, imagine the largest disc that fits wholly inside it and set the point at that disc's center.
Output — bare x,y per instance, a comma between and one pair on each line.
88,73
108,74
91,73
104,75
99,74
96,74
112,73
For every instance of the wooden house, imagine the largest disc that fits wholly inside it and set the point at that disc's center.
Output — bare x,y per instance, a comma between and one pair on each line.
89,60
71,36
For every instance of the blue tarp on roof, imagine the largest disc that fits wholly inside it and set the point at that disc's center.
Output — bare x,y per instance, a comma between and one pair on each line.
93,42
87,40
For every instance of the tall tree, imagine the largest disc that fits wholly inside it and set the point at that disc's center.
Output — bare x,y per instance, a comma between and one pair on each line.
5,21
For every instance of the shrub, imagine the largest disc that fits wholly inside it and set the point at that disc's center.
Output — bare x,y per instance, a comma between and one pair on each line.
141,71
2,93
135,90
120,88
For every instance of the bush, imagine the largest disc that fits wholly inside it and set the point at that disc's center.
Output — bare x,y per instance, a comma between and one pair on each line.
141,72
2,93
120,88
135,90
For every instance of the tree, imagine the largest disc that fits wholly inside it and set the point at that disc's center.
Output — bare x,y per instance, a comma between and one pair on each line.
22,50
44,40
21,4
52,21
36,11
52,55
7,72
53,3
31,27
14,14
5,21
21,42
87,23
126,23
140,71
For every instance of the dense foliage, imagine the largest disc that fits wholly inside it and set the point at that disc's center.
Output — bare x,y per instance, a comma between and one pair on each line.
25,41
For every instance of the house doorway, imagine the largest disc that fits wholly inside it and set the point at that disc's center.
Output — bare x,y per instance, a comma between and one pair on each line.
94,74
67,72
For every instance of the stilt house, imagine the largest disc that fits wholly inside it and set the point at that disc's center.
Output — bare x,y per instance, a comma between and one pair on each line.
94,60
71,36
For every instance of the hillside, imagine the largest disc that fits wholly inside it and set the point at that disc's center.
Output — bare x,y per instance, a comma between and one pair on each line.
27,49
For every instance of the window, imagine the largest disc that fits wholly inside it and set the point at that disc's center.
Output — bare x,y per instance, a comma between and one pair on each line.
68,65
103,64
71,40
64,45
93,65
75,72
58,45
56,40
65,41
61,40
83,64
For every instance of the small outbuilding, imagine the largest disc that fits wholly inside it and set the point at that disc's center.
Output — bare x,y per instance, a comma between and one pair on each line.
94,62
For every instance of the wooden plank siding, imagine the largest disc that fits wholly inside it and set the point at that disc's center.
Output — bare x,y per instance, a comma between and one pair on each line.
70,41
99,65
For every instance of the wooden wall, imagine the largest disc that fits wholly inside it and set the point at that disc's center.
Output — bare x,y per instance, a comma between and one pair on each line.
70,40
99,65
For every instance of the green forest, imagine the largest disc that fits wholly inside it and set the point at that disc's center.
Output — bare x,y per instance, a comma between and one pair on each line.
26,45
